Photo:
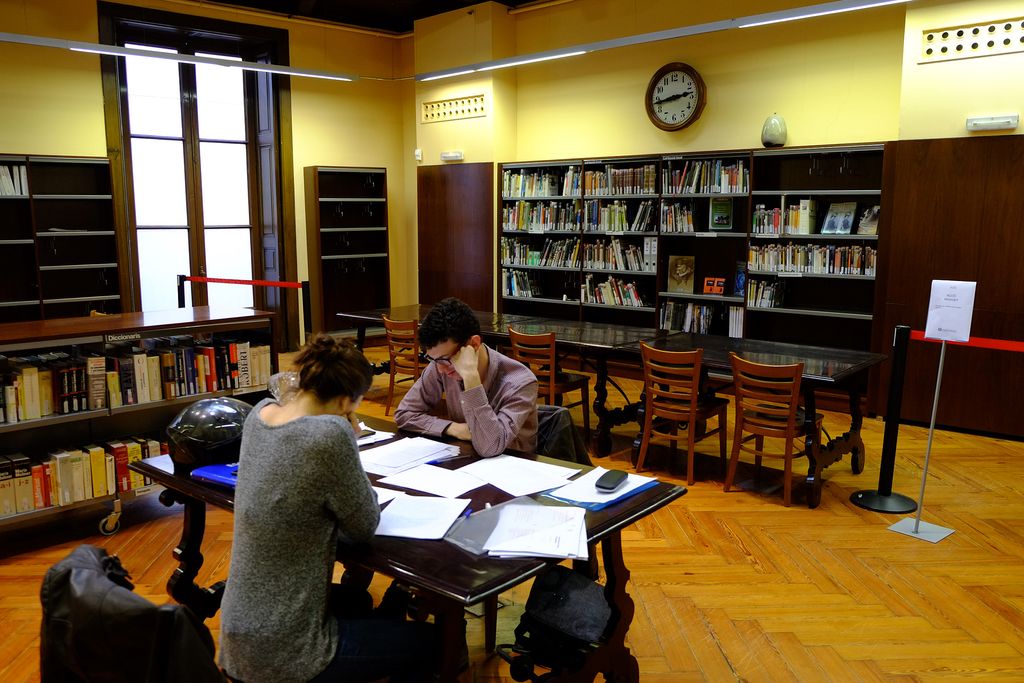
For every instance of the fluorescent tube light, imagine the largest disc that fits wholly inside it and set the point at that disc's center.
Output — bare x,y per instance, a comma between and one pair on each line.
813,11
501,64
118,51
1006,122
437,76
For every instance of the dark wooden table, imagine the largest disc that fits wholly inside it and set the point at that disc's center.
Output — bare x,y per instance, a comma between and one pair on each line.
491,324
446,578
828,368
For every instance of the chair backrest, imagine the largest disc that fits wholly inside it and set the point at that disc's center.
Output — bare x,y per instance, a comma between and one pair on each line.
671,382
403,345
537,352
767,396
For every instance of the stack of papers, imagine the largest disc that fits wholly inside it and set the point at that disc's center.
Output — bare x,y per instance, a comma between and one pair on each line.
539,531
424,517
582,491
372,436
404,454
519,476
435,480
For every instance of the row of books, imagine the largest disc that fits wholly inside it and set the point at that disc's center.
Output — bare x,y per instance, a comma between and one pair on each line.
563,253
821,259
517,283
614,217
618,181
706,176
676,217
70,476
765,293
62,382
795,219
688,317
539,183
614,256
13,180
541,216
612,292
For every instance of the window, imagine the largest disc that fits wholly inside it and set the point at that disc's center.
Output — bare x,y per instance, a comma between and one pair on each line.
200,156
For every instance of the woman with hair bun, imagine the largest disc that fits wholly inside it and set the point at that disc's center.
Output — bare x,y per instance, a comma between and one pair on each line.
302,489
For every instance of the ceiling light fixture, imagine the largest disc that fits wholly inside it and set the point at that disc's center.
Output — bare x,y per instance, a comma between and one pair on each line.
667,34
814,11
118,51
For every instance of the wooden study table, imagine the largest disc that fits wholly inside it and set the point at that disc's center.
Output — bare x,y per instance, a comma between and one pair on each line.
446,578
824,368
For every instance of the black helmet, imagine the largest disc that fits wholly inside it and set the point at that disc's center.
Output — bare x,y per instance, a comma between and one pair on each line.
208,431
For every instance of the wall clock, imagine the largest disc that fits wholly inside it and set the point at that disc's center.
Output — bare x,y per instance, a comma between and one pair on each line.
675,96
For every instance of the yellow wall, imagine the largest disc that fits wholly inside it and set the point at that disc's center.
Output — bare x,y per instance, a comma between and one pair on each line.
938,97
51,102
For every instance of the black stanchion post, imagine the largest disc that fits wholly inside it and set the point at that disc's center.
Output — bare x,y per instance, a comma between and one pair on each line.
883,499
181,291
307,317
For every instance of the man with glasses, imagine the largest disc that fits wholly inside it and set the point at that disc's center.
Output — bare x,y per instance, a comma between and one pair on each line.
491,399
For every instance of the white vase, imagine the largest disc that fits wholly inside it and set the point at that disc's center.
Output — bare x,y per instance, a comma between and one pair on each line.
773,133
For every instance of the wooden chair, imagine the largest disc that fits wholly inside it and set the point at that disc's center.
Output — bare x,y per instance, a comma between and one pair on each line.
672,389
537,351
404,353
767,405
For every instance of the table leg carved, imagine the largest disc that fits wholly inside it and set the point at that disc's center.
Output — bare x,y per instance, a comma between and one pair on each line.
204,602
820,456
607,418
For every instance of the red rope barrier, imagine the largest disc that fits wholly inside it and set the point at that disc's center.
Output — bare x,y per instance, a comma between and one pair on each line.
976,342
227,281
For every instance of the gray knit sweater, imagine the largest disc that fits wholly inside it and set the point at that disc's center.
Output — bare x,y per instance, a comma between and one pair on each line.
300,486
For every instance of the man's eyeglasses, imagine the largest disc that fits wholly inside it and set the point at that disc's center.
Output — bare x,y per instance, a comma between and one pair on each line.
443,360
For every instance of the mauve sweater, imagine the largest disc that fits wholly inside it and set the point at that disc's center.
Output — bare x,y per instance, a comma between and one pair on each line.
300,486
501,412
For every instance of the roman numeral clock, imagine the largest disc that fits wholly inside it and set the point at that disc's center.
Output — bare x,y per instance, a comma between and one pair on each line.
675,96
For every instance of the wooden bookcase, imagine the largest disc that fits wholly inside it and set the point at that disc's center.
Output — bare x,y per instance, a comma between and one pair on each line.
58,241
347,242
98,335
688,218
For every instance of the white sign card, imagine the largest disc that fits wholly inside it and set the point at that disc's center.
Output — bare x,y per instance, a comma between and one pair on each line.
950,309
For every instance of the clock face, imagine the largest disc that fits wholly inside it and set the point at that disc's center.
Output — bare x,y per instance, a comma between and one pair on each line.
675,97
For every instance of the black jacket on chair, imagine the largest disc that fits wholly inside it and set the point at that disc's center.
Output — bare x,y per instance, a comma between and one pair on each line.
96,629
557,436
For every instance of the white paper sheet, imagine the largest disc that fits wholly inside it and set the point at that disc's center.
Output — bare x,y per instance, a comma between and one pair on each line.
539,531
423,517
950,309
435,480
375,437
394,457
582,490
384,495
519,476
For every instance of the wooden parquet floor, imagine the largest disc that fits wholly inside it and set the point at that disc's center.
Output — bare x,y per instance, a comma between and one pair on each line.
728,587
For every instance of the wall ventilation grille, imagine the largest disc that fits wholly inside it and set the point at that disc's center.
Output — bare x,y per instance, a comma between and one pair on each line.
453,109
972,40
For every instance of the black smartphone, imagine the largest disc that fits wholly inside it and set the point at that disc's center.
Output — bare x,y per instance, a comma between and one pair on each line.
610,480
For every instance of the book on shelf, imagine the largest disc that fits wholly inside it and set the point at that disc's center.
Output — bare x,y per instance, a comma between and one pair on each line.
807,215
22,465
680,274
868,224
98,468
119,451
739,281
8,502
720,213
839,219
736,322
40,486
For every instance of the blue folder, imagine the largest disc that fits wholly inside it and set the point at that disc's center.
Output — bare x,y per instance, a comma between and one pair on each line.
223,475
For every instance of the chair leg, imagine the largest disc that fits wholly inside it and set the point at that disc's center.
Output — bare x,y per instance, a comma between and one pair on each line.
759,447
646,441
787,484
734,459
722,425
391,393
690,443
490,623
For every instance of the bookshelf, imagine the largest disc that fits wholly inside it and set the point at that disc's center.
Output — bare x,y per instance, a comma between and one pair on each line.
58,241
347,225
750,221
55,348
810,275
